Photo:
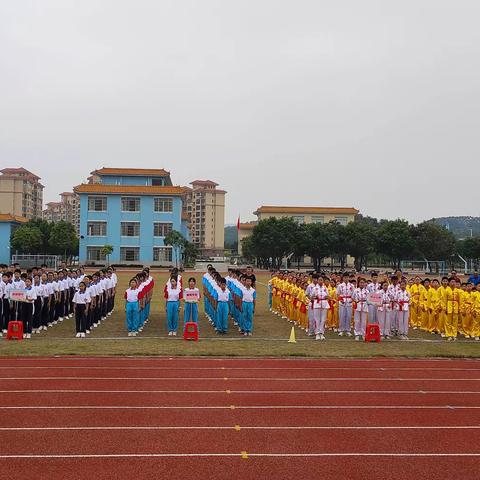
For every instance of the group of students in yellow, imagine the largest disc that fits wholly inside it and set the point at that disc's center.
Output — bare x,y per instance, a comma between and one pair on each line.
345,302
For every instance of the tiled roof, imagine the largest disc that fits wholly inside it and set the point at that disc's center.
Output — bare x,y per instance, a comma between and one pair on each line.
307,210
204,182
127,189
8,217
131,171
17,171
67,194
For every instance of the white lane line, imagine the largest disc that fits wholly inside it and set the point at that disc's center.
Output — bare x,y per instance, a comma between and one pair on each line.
261,379
239,407
236,455
231,427
261,392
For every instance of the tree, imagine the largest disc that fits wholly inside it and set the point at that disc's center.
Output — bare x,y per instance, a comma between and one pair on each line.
190,253
360,237
470,248
26,239
176,240
320,242
63,239
433,242
46,230
107,250
395,240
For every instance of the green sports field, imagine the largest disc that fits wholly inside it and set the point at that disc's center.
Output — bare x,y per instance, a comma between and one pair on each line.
270,337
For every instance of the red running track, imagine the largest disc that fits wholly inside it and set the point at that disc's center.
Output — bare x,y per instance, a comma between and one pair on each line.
142,418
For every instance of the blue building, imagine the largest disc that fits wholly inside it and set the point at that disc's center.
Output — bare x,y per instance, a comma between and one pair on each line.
132,210
8,223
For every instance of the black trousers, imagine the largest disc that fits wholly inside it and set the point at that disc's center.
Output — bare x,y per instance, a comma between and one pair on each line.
5,313
45,311
52,309
37,314
80,317
27,316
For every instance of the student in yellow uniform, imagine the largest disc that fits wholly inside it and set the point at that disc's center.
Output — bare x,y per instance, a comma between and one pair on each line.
332,316
423,317
476,313
454,296
442,300
467,310
415,290
433,307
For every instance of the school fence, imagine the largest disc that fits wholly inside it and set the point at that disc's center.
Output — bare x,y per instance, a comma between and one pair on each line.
30,261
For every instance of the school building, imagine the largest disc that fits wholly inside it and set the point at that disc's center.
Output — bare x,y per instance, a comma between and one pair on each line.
8,224
306,215
132,210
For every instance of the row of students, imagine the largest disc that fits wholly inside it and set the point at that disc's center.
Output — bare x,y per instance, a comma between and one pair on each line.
232,297
50,298
138,299
447,307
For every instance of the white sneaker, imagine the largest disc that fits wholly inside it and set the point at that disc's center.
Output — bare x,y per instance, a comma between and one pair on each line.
45,327
349,334
477,338
82,335
129,334
170,334
60,319
442,335
78,335
55,322
87,331
318,336
4,331
340,334
322,337
134,334
174,334
29,335
357,338
24,335
95,325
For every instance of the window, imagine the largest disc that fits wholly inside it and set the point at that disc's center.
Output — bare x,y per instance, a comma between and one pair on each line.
163,204
97,204
129,254
157,182
162,254
162,229
318,219
299,218
95,254
97,229
130,204
130,229
341,220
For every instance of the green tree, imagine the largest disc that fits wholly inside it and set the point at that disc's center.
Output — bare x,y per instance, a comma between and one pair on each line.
470,248
395,240
46,230
190,253
107,250
176,240
63,239
26,239
320,242
360,238
433,242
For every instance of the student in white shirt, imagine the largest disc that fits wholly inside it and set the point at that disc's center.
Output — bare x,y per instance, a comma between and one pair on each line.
81,301
38,304
27,309
344,295
173,295
360,297
373,287
248,306
132,308
222,297
191,297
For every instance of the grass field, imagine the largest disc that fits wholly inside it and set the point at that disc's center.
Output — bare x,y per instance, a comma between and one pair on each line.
270,337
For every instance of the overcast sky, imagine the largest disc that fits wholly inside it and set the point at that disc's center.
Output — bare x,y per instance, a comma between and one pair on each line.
373,104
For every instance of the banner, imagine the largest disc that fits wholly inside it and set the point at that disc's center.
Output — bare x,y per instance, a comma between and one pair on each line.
191,297
375,298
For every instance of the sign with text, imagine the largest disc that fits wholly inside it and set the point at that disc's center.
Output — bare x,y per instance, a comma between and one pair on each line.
191,296
18,295
375,298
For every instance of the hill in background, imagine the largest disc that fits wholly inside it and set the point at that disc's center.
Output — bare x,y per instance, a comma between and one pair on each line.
461,227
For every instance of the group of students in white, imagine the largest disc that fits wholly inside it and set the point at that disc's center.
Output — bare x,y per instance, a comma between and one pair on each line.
50,297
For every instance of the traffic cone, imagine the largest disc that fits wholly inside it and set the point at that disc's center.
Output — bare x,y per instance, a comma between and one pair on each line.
292,336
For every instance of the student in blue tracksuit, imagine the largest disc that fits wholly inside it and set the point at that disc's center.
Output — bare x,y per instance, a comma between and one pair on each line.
191,297
223,298
173,295
132,308
249,296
